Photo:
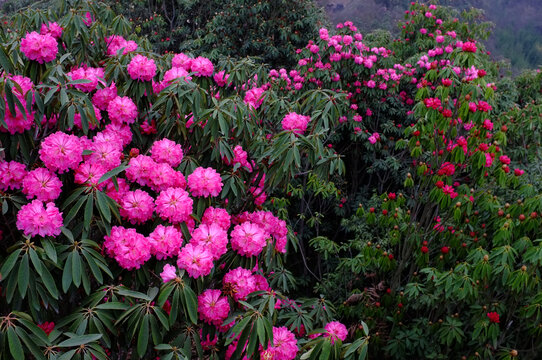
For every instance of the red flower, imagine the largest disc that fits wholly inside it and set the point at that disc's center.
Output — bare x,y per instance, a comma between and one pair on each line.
493,317
424,249
391,196
47,327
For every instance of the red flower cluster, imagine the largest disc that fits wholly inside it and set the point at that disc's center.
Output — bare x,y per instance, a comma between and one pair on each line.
493,317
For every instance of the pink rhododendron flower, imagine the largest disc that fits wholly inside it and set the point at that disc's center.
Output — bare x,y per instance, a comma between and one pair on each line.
469,47
202,66
129,248
216,216
60,151
91,123
335,331
12,174
163,177
118,132
166,241
141,68
137,206
117,42
141,169
446,169
248,239
169,272
41,48
175,73
19,122
106,153
95,75
213,237
488,125
196,260
254,97
35,219
89,173
212,307
284,345
115,194
221,78
205,182
167,151
52,28
174,205
122,110
295,123
183,61
42,184
242,281
273,226
103,97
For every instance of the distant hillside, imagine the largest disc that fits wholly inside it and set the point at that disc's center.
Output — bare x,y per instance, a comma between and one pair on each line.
517,35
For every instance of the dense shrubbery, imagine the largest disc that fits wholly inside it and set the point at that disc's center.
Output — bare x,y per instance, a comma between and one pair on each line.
154,205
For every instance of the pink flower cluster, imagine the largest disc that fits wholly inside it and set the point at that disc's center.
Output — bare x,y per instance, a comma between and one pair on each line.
158,176
202,67
117,42
196,260
122,110
242,281
284,345
42,184
212,307
174,205
205,182
137,206
60,151
12,174
167,151
254,97
129,248
41,48
211,237
142,68
295,123
335,331
95,75
166,241
52,28
35,219
248,239
19,122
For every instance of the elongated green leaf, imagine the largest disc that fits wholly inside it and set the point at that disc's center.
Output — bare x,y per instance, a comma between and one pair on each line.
89,207
191,304
9,263
23,275
80,340
134,294
112,173
67,273
102,206
15,347
76,268
143,336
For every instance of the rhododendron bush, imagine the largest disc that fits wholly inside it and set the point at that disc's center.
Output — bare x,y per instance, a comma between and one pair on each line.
172,206
134,198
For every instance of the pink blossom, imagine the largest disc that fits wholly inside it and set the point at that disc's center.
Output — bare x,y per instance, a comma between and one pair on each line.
35,219
254,97
91,122
41,48
106,153
248,239
42,184
12,174
122,110
167,151
137,206
166,241
335,331
295,123
169,272
213,237
205,182
202,67
487,124
175,73
242,281
212,307
129,248
221,78
284,345
174,205
216,216
142,68
52,28
181,60
95,75
196,260
60,151
89,173
117,42
103,97
19,122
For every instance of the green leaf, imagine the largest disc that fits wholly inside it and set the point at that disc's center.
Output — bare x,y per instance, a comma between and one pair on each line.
80,340
23,275
112,173
102,206
49,283
76,268
134,294
67,273
89,207
112,306
35,260
9,263
15,347
143,336
326,350
191,304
